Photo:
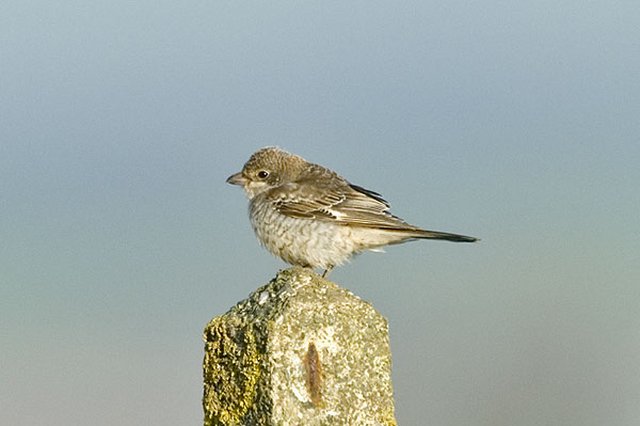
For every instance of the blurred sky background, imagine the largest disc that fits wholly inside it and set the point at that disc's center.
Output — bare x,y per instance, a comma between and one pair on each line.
517,122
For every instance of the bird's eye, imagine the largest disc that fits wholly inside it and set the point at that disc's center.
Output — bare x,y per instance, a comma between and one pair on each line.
263,174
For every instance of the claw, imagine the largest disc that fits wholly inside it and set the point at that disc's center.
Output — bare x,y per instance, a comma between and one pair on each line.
325,274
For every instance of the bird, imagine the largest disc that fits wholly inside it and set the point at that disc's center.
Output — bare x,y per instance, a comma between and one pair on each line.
310,216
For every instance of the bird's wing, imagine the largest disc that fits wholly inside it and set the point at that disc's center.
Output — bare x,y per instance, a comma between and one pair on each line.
336,201
366,208
304,201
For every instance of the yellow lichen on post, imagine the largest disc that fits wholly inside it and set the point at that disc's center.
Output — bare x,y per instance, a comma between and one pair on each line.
232,369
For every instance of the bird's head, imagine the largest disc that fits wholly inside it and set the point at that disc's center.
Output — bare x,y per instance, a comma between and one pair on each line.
268,168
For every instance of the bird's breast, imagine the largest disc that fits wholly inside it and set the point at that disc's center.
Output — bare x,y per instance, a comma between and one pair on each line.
299,241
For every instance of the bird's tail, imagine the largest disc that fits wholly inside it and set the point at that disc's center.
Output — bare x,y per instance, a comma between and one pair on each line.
436,235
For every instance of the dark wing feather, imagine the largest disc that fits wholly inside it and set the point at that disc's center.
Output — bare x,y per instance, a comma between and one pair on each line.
376,196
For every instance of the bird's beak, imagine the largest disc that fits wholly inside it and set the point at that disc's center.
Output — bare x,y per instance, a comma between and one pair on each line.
237,179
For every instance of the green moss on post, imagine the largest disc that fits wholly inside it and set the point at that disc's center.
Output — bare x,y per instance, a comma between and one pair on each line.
298,351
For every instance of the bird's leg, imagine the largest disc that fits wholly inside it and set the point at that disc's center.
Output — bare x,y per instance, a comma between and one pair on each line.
325,274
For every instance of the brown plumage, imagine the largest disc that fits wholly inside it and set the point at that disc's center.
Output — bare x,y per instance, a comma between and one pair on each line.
310,216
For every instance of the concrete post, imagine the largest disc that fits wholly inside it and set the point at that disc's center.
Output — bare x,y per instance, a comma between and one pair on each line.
298,351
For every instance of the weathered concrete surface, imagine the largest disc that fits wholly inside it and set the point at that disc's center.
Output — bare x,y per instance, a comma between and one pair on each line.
298,351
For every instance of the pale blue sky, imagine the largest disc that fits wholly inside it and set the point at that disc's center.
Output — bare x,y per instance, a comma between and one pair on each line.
517,122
